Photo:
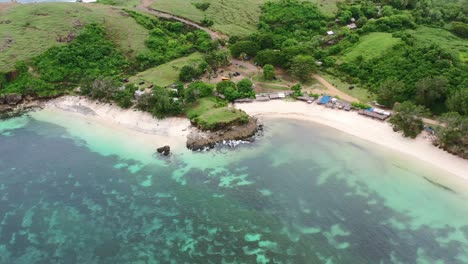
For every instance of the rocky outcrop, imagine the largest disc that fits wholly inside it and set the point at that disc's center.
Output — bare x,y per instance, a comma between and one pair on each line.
198,140
166,150
11,99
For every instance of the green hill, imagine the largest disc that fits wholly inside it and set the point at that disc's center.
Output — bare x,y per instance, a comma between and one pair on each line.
30,29
233,17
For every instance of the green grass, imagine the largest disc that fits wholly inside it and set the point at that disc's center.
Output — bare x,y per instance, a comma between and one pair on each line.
221,117
443,38
34,28
371,46
212,113
204,105
361,94
232,17
168,73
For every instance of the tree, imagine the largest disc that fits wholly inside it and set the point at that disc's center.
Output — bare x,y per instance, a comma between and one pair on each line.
390,92
296,90
430,90
217,59
223,85
458,101
460,29
268,72
102,88
407,118
248,47
197,90
453,137
159,103
302,66
245,88
187,73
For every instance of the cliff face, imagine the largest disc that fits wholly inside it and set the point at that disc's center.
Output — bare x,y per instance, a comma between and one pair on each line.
198,139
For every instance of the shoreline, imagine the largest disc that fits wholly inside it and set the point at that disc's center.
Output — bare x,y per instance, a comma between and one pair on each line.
373,131
135,125
141,128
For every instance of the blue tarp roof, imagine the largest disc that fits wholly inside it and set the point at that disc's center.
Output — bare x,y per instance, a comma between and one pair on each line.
325,99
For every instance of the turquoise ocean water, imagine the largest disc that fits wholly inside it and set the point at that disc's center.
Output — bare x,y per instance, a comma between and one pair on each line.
302,193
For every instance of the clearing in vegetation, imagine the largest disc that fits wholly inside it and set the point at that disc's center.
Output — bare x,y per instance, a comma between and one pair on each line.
34,28
168,73
371,46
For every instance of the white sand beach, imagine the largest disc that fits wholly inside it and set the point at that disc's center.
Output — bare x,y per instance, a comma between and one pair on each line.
368,129
137,127
141,129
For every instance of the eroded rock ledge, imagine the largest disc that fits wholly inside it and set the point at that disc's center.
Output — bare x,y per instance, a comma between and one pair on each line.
198,139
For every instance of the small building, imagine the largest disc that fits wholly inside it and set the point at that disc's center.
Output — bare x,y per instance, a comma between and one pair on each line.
281,95
139,93
273,96
262,97
324,99
372,114
352,26
330,33
346,106
243,100
306,99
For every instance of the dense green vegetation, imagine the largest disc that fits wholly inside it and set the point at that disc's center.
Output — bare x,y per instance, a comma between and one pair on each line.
401,51
169,40
233,91
407,118
454,135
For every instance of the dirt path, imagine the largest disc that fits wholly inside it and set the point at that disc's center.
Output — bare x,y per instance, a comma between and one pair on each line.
334,90
145,5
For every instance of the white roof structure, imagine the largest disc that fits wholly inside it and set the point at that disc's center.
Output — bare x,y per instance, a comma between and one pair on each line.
281,95
330,33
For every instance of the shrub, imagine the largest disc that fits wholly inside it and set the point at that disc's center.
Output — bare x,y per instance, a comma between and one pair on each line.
197,90
268,72
202,6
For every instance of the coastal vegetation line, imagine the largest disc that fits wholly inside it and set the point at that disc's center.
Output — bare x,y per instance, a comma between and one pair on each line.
397,66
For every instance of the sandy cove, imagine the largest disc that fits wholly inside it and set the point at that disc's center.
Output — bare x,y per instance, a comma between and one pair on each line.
138,126
142,129
368,129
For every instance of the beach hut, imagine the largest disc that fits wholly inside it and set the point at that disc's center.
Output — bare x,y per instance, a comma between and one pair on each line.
352,26
262,98
325,99
243,100
273,96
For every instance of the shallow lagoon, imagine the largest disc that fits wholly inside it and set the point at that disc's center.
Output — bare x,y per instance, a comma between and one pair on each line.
302,193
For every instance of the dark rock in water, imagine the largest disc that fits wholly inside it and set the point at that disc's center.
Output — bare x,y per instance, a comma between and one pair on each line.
11,99
166,150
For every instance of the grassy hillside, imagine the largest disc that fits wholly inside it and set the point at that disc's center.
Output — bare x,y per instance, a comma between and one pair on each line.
444,39
168,73
233,17
371,46
35,27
